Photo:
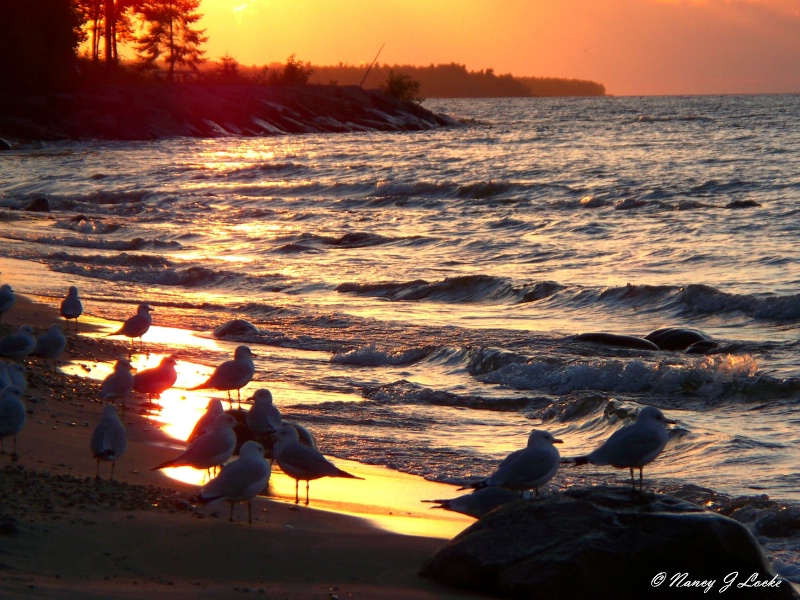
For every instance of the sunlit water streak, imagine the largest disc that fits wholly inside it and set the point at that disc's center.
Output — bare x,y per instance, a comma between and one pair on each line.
416,293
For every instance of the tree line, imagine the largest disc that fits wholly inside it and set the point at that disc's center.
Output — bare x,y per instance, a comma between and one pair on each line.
40,40
52,44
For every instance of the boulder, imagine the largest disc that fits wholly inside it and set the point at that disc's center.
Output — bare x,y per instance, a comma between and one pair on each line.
606,542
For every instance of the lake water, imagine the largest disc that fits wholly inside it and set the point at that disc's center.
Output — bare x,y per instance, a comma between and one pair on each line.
418,294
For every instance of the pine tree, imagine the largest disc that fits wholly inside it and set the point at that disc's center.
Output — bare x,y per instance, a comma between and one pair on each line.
170,34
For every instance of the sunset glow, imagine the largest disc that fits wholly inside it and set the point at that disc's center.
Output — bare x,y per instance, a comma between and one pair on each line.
633,47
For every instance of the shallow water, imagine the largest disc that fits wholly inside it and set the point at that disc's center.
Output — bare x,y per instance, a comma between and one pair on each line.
417,294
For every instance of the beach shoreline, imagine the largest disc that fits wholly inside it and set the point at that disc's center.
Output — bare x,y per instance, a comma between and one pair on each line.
67,535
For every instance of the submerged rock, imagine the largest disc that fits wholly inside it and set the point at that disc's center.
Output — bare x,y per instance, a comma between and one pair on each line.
606,543
235,328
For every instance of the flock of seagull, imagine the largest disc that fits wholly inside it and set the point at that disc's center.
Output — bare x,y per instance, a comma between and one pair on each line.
213,441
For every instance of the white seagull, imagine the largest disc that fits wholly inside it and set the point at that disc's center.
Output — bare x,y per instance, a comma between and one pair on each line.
208,450
528,468
109,440
240,481
7,299
50,345
632,446
263,416
71,307
16,372
232,374
137,325
19,345
12,416
156,380
118,383
301,462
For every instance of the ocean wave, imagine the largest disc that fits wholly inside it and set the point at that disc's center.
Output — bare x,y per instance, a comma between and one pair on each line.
372,356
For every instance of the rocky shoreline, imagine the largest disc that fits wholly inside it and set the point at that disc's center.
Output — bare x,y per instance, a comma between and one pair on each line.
113,112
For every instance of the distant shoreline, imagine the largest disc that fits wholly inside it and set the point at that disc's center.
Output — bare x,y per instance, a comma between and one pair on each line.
156,111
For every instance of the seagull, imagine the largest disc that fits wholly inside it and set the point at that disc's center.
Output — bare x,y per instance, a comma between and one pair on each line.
479,502
137,325
109,441
7,299
528,468
232,374
12,416
19,345
16,373
301,462
263,416
240,480
5,378
71,307
50,345
119,383
208,450
206,422
156,380
632,446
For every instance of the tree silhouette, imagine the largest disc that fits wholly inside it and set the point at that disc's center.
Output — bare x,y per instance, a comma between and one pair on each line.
38,42
170,34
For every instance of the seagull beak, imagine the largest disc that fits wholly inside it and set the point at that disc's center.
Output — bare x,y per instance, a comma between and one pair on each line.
557,441
671,421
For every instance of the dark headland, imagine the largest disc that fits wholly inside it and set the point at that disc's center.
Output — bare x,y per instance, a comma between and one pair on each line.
116,112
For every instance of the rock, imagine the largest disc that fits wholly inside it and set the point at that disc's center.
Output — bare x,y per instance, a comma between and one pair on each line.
676,338
606,542
38,205
235,328
616,339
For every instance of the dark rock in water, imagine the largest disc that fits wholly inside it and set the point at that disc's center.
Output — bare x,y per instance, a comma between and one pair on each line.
236,328
38,205
742,204
676,338
606,543
702,347
615,339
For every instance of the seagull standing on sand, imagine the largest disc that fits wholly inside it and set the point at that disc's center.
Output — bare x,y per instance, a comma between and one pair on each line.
50,345
206,422
17,346
241,480
232,374
263,416
12,416
7,299
156,380
109,440
71,307
528,468
301,462
633,446
118,383
16,373
137,325
208,450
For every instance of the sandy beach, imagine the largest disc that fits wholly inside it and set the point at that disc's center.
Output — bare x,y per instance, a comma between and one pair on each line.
65,535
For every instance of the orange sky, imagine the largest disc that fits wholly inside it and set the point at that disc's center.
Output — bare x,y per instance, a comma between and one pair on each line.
633,47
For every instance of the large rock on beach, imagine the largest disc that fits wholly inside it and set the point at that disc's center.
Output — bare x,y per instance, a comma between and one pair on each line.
607,543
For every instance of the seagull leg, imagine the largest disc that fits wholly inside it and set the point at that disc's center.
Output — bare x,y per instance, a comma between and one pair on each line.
111,477
296,492
641,480
633,480
308,483
97,473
